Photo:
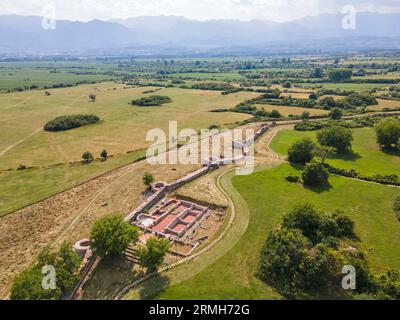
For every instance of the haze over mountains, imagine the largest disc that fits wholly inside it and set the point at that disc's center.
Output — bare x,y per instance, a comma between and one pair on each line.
171,35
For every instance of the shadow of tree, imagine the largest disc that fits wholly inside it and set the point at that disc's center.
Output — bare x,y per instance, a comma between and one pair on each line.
391,152
351,156
154,287
319,189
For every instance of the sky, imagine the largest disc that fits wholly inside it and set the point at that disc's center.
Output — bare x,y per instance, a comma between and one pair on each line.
272,10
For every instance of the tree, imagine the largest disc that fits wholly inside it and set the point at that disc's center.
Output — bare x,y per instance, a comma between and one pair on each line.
28,284
340,75
313,96
287,84
152,255
327,103
92,97
275,114
323,152
336,137
302,151
104,154
87,157
112,235
318,73
388,133
336,114
306,218
314,269
281,256
148,179
315,174
305,115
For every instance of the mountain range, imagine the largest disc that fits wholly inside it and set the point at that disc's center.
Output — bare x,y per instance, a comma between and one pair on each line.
172,34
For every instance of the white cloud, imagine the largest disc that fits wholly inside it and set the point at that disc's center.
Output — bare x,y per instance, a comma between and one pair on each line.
275,10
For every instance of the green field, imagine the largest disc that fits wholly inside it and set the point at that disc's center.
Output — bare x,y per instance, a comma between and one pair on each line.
123,129
21,75
367,158
266,193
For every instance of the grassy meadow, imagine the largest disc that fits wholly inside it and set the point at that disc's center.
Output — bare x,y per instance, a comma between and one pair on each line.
123,129
266,194
367,157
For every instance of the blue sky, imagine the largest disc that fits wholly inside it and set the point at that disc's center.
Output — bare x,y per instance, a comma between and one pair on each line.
274,10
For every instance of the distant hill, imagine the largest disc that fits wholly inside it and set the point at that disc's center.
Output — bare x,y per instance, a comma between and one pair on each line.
174,34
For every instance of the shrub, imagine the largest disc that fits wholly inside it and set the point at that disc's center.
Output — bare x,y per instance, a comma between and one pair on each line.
70,122
335,114
112,235
315,174
292,179
308,126
302,151
151,101
104,155
87,157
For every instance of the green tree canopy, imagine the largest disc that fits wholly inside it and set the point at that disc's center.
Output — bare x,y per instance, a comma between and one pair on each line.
111,236
28,284
87,157
388,133
336,137
302,151
315,174
152,255
148,179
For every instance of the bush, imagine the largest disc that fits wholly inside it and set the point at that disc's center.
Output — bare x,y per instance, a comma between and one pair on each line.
64,123
336,137
308,126
292,179
301,151
151,101
87,157
335,114
112,235
315,174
